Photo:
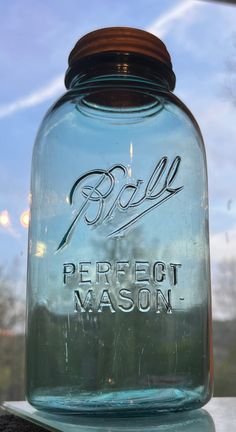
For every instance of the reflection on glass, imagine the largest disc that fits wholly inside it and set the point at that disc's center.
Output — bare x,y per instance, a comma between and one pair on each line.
192,421
5,219
189,421
24,218
40,249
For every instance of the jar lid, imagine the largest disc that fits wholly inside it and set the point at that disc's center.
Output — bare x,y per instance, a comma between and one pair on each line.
123,40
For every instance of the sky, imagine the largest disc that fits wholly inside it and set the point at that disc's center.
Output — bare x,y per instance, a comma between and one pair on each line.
35,40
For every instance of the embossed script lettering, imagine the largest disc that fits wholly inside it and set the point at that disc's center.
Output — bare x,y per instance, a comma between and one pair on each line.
105,196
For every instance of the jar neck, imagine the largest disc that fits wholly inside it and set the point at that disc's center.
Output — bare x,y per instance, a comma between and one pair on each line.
119,66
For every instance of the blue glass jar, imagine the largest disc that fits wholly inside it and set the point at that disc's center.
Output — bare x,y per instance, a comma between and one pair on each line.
119,309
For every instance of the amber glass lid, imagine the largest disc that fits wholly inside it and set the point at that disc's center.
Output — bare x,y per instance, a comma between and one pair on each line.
123,40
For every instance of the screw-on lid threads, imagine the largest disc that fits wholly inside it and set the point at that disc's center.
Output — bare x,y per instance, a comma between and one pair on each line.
123,40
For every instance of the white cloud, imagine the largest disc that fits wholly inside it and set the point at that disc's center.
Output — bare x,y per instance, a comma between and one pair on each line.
223,257
54,88
223,246
162,24
217,121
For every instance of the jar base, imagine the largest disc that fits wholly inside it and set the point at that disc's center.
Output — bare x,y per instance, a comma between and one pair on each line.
135,402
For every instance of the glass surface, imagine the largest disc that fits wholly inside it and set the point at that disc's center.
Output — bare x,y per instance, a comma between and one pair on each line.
191,421
118,270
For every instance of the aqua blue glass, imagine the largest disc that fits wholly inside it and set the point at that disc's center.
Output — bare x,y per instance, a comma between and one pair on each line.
118,295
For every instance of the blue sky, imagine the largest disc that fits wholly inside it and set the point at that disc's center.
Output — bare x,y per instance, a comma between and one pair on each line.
35,40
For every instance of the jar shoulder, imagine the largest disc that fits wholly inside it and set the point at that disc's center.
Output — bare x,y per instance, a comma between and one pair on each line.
72,107
184,112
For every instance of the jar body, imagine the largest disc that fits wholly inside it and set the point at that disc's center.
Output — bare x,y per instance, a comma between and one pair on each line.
118,267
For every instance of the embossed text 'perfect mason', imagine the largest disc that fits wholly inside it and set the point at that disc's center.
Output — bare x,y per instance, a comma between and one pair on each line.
97,189
121,285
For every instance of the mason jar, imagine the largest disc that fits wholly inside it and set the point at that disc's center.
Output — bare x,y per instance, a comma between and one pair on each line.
118,292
